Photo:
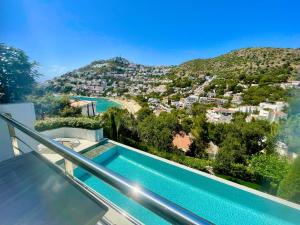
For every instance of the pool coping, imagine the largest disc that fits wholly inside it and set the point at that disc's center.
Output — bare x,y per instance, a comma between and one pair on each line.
224,181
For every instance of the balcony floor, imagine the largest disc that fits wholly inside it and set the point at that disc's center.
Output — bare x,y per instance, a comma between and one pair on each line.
34,192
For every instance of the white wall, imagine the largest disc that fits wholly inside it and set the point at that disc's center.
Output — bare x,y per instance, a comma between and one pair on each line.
24,113
70,132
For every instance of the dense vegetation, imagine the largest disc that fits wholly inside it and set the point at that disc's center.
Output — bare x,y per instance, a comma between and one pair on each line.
251,64
246,149
17,74
238,70
255,95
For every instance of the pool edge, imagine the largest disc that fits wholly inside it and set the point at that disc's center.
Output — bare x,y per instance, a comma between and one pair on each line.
221,180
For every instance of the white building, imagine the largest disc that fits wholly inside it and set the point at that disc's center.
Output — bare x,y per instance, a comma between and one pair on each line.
277,106
247,109
190,100
219,115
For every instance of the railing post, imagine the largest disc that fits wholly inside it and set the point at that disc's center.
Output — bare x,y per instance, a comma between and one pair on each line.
69,168
14,141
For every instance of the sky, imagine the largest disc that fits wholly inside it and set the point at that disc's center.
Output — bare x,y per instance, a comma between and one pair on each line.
62,35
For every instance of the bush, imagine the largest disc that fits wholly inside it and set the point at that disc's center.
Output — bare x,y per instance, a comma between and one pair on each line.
269,170
289,187
70,112
78,122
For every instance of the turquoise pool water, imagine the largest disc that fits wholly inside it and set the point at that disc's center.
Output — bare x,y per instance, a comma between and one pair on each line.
217,202
102,104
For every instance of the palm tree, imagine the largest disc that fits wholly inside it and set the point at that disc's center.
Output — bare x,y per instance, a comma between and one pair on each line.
115,121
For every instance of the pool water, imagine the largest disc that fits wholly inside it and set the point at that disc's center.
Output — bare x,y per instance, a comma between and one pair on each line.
102,104
213,200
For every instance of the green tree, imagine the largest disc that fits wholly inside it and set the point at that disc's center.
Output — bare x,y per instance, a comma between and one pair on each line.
70,112
186,124
17,74
198,108
200,136
254,95
143,113
232,151
158,131
289,187
118,124
253,135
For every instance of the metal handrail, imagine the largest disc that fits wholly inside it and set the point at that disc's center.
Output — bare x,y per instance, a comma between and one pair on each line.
157,204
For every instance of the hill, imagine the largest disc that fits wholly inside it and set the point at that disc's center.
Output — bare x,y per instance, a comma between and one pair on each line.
247,61
115,66
256,72
259,74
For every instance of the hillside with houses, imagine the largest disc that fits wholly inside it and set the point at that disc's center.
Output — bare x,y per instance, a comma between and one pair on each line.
245,80
110,77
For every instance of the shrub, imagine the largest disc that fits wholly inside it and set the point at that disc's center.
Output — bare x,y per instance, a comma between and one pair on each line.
78,122
289,187
70,112
196,163
269,170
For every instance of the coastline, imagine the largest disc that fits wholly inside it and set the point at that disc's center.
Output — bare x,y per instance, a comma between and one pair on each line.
129,104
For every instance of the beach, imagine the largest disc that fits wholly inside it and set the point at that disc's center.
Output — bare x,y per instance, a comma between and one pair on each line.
129,104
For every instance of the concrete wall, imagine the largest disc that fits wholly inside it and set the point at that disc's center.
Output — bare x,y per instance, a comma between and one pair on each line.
70,132
24,113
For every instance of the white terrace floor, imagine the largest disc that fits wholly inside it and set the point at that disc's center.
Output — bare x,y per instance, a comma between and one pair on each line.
73,143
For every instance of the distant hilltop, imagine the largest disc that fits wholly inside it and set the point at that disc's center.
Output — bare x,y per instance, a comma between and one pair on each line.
237,71
116,66
243,61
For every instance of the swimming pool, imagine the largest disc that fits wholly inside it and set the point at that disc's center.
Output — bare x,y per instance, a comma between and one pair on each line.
102,104
209,197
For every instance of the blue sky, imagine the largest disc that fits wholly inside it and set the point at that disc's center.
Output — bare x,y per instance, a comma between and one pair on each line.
65,34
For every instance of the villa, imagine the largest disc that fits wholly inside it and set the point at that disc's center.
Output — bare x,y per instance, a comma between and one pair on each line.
219,115
47,178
